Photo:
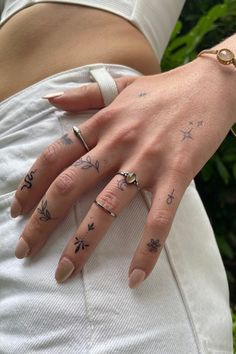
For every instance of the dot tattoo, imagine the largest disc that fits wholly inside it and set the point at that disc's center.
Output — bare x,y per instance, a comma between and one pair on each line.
81,244
43,211
170,197
28,178
65,140
91,226
122,184
187,134
153,245
87,163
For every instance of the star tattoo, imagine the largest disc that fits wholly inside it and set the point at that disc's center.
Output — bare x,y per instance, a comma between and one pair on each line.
187,134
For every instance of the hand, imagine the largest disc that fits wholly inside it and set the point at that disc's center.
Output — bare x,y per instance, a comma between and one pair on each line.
162,127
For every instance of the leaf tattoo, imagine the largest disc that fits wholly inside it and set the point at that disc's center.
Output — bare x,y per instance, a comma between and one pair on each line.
80,244
45,214
91,226
87,163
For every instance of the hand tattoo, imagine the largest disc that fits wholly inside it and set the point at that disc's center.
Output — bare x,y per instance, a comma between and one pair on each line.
44,211
80,244
170,197
65,140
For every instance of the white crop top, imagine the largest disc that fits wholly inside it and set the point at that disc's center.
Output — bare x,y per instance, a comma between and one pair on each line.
154,18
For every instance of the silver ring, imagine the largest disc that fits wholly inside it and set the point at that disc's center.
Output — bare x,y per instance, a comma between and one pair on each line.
79,135
105,209
130,178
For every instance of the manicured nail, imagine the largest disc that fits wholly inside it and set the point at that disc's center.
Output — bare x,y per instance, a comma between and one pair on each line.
64,270
16,208
22,248
136,277
53,95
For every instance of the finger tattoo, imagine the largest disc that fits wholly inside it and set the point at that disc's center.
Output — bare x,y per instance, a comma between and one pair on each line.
44,212
122,184
153,245
65,140
87,163
91,226
28,180
80,244
170,197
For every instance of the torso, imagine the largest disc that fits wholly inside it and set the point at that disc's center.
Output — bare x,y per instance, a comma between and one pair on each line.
48,38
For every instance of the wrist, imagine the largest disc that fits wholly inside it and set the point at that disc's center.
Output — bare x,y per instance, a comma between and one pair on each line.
221,80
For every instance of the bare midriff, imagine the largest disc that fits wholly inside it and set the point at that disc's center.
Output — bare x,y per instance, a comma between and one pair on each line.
48,38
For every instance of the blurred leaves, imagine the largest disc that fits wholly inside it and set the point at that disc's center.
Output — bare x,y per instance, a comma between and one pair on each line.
203,24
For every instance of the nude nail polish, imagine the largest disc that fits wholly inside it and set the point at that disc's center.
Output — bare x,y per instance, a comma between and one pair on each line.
16,208
136,277
22,248
53,95
64,270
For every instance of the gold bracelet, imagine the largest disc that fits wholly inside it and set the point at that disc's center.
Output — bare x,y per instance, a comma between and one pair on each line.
225,57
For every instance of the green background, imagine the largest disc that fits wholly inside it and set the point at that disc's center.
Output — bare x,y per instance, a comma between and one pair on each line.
201,25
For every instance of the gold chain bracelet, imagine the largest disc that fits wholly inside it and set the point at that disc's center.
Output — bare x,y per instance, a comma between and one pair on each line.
225,57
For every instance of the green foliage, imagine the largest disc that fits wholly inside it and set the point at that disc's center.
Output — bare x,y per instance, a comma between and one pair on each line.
202,25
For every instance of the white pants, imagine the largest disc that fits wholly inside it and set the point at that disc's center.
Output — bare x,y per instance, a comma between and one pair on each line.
182,307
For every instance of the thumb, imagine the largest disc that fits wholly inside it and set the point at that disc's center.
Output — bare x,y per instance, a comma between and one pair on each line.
85,97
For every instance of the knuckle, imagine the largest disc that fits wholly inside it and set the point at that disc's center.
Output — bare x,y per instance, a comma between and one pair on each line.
65,182
106,115
160,219
182,165
50,154
109,200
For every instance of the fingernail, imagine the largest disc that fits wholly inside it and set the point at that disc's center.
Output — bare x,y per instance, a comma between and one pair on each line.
64,270
16,208
22,248
53,95
136,277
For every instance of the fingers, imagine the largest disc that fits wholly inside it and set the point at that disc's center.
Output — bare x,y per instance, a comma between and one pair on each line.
165,202
53,160
114,198
85,97
66,189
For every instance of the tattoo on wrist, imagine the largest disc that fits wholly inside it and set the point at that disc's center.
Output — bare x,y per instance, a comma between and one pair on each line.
80,244
65,140
28,180
87,163
153,245
122,184
170,197
44,212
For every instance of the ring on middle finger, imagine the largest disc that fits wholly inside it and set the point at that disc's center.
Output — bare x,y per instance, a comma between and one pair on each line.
130,178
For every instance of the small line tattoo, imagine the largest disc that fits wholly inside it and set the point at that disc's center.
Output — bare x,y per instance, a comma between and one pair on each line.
122,184
66,140
91,226
191,123
170,197
28,178
187,134
153,245
142,94
43,211
81,244
87,163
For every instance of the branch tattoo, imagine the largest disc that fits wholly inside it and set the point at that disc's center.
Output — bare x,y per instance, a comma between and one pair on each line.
153,245
28,180
87,163
44,212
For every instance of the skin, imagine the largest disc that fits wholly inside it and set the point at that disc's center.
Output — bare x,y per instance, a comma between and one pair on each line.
177,120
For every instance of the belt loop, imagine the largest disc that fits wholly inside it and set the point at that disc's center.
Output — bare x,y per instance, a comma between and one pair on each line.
106,84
